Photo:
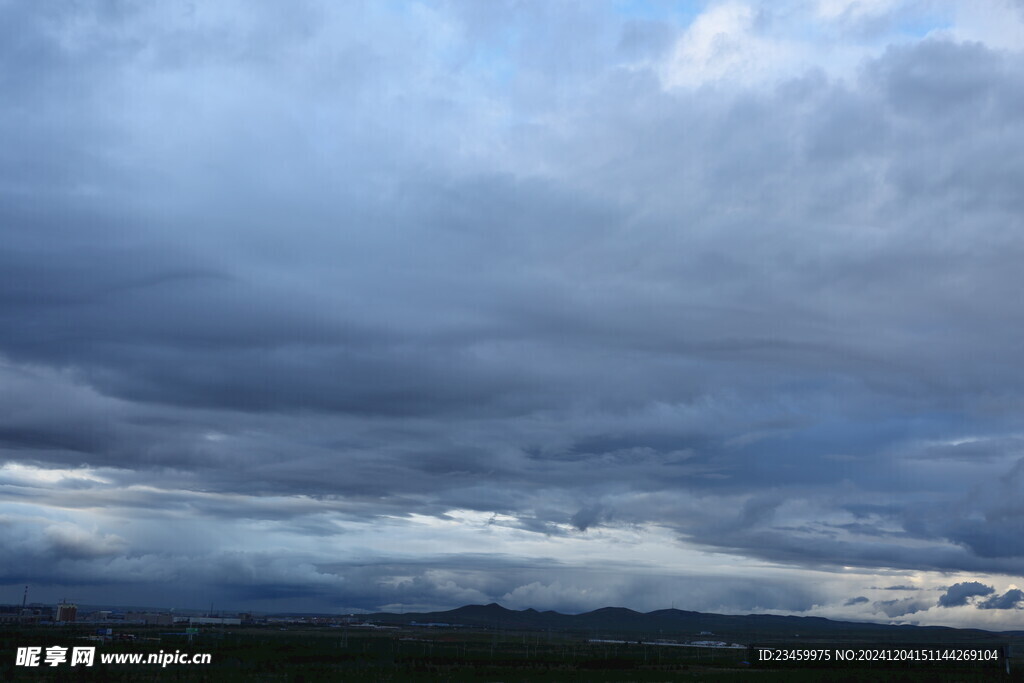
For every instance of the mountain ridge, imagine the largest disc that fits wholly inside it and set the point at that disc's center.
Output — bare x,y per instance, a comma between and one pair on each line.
748,627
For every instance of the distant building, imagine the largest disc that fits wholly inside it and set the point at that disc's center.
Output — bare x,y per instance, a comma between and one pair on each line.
223,621
34,613
24,617
149,618
66,611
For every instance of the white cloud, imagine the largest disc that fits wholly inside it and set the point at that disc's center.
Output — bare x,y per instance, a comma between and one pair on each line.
998,24
853,9
725,43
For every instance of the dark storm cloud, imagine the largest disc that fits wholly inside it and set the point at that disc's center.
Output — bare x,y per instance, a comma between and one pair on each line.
1011,599
860,600
281,265
959,593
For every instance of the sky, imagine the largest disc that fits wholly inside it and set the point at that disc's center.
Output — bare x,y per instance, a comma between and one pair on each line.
403,305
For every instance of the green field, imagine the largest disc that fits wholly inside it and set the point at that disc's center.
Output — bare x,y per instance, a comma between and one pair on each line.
411,654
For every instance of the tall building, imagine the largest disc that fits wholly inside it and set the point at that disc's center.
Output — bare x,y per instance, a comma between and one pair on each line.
66,612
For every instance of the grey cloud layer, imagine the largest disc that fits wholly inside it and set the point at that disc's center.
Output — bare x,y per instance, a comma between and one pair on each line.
278,257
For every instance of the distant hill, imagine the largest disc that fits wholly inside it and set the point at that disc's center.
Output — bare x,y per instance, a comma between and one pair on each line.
619,621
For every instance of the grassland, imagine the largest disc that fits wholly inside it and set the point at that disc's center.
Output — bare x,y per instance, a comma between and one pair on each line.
295,654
